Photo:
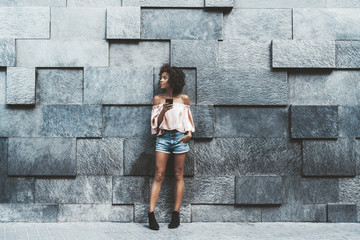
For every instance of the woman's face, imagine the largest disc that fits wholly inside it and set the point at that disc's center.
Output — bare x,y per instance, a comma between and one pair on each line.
164,80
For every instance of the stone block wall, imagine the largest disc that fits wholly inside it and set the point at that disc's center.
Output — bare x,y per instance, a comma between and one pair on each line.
274,89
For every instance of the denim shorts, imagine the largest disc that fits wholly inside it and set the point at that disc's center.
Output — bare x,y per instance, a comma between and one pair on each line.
168,142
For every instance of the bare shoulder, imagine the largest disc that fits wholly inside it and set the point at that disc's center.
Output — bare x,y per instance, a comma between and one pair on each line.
186,99
157,100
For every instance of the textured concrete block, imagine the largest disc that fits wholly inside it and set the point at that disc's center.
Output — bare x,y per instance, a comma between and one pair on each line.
20,86
251,122
204,121
244,54
349,121
240,156
349,190
139,158
258,24
303,54
118,86
7,52
199,190
279,4
314,121
346,54
332,24
192,53
130,54
249,86
321,87
224,213
219,3
259,190
62,53
93,3
10,212
33,3
95,213
12,122
342,4
163,212
24,22
100,156
123,23
42,157
72,120
2,86
78,23
299,190
220,190
329,157
126,121
128,190
165,3
17,190
341,213
82,189
295,213
59,86
193,24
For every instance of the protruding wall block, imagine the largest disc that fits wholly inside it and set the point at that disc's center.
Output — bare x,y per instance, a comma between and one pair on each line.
20,86
78,23
62,53
165,3
130,190
11,212
219,3
345,54
7,52
118,85
341,212
195,24
130,54
192,53
349,121
42,157
249,86
259,190
123,23
33,3
100,156
326,23
224,213
279,4
258,24
314,121
93,3
303,54
251,122
329,158
72,120
59,86
24,22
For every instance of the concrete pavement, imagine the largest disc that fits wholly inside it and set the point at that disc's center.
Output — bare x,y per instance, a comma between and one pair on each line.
202,230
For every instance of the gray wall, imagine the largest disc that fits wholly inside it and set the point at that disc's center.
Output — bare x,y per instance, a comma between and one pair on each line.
274,89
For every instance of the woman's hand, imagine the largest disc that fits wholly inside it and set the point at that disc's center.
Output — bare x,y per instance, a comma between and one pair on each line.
186,138
167,107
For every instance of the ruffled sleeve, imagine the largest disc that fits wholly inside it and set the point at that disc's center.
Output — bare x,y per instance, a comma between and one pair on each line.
189,122
156,109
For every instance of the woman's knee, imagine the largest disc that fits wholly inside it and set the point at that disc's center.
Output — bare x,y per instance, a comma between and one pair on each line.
159,175
179,174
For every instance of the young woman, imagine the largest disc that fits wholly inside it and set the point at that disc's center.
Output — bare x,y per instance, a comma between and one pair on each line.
173,125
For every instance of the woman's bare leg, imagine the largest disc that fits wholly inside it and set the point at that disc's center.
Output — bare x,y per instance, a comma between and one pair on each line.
179,163
160,167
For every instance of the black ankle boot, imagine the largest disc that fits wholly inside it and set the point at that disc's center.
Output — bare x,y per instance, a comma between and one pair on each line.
175,220
152,221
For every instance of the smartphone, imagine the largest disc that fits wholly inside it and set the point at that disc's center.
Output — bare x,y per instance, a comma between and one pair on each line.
169,100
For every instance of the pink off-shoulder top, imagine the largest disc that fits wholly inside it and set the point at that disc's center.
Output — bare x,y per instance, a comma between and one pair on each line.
179,118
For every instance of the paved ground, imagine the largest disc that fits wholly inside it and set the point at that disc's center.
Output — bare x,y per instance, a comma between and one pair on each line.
128,231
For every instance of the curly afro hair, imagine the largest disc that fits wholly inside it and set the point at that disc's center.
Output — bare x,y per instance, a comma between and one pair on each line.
176,77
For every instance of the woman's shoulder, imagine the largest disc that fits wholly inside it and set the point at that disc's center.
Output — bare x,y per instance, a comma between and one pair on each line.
185,98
